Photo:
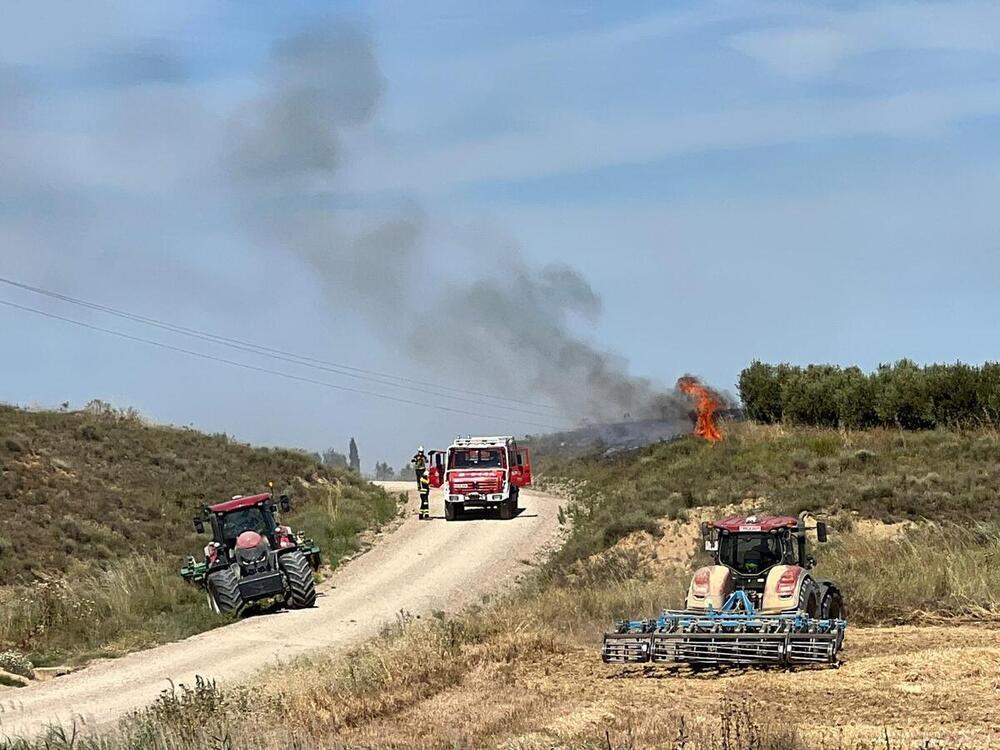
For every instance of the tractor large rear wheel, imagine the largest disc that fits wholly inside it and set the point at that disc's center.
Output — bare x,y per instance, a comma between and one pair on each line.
224,592
809,598
299,581
833,606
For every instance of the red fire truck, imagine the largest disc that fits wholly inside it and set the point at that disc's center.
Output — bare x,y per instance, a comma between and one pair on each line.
480,472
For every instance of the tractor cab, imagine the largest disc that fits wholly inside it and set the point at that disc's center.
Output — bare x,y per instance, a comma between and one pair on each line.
752,545
767,558
233,517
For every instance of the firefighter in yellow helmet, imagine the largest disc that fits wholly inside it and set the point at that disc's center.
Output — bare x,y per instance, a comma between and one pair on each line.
419,462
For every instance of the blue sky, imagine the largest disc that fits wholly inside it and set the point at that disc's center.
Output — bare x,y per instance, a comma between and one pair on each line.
789,181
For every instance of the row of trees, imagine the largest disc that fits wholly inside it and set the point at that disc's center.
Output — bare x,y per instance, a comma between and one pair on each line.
903,395
335,460
383,471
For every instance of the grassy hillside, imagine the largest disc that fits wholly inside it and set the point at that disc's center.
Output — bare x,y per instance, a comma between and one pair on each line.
535,653
942,475
933,495
99,519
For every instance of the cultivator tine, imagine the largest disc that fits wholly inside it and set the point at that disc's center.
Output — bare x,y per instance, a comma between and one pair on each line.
812,648
626,648
744,648
719,648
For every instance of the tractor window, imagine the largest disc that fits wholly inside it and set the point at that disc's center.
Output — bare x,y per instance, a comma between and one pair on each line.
751,553
236,522
477,458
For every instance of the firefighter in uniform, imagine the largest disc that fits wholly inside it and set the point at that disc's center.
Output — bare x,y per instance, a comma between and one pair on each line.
425,495
419,461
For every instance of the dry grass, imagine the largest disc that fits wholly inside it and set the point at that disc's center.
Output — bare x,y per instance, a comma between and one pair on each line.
505,677
942,475
931,571
99,521
104,486
101,612
524,672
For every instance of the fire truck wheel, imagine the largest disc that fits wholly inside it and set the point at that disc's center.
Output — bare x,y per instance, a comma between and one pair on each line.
507,509
453,511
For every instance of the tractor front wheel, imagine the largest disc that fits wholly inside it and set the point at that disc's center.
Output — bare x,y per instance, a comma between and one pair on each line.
224,592
299,581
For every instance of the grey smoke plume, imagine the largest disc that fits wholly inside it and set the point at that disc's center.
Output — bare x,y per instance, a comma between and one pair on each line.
512,321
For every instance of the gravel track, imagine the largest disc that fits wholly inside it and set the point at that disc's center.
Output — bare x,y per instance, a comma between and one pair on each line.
417,567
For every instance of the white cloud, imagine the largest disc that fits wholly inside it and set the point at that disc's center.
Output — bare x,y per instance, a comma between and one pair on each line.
561,142
817,41
800,53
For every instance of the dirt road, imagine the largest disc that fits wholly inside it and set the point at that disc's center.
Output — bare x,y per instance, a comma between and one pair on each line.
420,566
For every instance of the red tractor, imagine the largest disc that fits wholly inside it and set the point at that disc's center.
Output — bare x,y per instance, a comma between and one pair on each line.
252,557
482,472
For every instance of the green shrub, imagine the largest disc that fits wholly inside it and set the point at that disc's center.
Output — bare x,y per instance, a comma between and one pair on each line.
760,388
16,663
903,395
856,400
13,446
89,431
809,396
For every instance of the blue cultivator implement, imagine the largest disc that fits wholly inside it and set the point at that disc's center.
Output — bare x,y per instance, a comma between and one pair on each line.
757,603
734,634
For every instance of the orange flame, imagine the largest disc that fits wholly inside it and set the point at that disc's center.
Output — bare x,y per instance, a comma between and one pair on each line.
706,403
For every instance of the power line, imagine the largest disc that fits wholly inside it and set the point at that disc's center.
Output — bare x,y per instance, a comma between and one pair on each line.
266,370
297,359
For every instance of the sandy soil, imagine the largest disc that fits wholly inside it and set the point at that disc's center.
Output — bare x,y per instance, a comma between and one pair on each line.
418,567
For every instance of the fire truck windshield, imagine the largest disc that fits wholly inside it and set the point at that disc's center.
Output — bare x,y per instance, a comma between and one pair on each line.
476,458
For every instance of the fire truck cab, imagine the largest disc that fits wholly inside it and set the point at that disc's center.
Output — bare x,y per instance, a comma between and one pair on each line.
480,472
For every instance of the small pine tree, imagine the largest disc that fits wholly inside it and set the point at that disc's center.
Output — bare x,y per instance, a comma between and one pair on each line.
354,459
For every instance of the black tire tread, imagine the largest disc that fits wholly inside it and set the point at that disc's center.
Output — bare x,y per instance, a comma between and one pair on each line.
827,610
224,587
809,593
299,579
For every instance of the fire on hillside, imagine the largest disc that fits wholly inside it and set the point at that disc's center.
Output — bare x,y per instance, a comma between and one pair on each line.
707,403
